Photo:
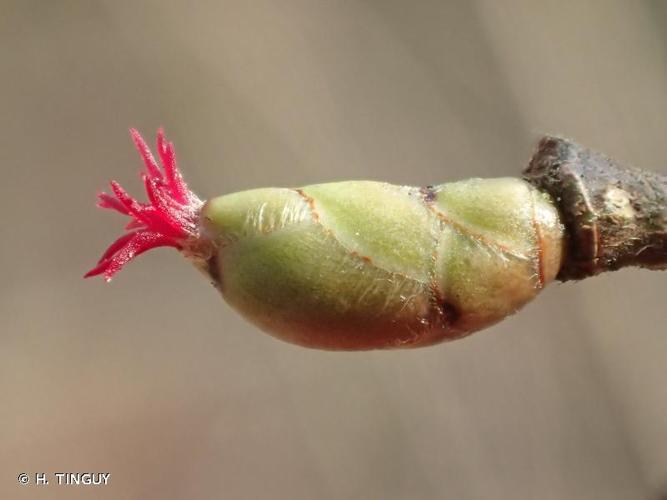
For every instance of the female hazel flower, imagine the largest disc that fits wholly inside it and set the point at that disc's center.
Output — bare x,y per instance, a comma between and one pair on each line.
364,265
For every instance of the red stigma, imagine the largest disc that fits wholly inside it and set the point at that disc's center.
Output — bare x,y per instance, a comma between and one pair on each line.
169,219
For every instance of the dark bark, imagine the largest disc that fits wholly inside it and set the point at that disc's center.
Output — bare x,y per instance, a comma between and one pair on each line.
615,216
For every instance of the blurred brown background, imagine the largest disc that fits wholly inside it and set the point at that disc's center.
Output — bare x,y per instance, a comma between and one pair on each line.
154,379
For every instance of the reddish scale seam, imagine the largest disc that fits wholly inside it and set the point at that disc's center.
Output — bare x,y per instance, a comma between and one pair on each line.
539,242
364,258
311,204
429,195
169,219
352,253
461,228
449,309
438,307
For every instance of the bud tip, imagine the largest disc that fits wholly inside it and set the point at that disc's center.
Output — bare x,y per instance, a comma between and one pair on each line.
168,219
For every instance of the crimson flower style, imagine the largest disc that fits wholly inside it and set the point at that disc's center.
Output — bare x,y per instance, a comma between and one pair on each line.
169,219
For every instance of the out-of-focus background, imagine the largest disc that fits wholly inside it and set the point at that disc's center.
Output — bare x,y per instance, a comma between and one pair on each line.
154,379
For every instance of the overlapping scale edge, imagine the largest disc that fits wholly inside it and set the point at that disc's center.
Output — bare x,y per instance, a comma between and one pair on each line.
168,219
